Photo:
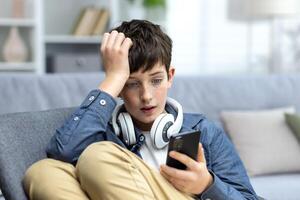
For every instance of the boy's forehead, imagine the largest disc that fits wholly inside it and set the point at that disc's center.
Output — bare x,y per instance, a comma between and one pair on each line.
156,69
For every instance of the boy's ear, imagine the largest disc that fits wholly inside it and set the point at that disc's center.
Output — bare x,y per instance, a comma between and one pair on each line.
171,74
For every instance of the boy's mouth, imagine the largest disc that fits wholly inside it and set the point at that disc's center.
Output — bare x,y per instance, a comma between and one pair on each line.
148,109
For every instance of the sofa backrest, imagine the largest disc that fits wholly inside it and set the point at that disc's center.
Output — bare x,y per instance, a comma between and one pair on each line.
205,94
29,92
212,94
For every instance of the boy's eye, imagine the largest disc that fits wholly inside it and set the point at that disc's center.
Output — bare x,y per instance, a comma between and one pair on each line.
156,81
132,85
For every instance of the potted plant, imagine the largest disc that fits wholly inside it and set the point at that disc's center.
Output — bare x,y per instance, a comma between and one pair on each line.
147,9
150,3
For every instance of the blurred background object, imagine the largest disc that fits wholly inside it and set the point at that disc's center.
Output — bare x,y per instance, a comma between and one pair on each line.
209,36
14,48
272,11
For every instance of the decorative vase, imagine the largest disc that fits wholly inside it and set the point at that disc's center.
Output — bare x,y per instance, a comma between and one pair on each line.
14,49
18,8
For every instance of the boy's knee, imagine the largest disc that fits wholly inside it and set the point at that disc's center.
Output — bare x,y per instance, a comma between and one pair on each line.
36,171
100,151
36,174
44,171
99,157
98,163
103,146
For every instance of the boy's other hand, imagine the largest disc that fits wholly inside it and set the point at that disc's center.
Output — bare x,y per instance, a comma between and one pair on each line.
195,179
114,51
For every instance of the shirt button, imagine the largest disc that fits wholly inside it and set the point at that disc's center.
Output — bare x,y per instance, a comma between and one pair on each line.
102,102
207,199
76,118
141,138
91,98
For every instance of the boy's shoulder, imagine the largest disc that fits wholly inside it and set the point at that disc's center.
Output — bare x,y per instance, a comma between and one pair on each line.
197,121
192,119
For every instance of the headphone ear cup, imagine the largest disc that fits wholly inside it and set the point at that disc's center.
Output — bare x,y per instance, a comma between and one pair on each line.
114,119
127,128
160,128
175,128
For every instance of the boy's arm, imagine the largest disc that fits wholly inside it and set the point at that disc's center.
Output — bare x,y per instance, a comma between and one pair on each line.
89,122
230,178
218,173
115,49
86,125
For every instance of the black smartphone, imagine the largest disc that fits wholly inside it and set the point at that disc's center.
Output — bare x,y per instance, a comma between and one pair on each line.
186,143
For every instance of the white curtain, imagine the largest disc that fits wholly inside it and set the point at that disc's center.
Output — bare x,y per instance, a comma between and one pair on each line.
206,41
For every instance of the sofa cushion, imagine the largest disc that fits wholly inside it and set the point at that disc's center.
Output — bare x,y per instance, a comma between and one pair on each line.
293,120
263,140
277,187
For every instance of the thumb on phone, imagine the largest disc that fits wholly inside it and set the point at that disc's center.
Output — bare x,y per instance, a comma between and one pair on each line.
201,156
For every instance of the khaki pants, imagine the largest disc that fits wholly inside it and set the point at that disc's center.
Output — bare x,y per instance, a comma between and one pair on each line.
104,171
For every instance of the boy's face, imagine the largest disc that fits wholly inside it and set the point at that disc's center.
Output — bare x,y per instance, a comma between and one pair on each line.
145,94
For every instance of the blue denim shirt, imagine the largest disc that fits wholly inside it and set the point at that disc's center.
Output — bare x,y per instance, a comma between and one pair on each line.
91,123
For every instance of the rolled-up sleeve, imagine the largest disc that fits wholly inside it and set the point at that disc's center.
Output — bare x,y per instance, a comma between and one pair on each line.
86,125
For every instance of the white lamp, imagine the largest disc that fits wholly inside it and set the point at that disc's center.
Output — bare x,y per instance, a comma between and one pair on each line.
254,10
271,8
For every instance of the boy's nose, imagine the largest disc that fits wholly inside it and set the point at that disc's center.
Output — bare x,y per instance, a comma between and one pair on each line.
146,94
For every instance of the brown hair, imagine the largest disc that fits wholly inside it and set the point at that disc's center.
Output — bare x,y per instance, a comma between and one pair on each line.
150,45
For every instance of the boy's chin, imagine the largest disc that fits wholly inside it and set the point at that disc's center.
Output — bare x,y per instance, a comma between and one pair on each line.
144,125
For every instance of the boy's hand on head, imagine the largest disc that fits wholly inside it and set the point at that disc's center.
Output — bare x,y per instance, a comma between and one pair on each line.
195,179
114,50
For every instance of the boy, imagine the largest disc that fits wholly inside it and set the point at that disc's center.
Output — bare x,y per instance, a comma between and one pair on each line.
105,144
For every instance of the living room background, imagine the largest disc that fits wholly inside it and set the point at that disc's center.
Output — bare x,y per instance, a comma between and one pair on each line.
222,53
207,39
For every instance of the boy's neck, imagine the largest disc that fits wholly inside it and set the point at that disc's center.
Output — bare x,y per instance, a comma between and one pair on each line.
144,127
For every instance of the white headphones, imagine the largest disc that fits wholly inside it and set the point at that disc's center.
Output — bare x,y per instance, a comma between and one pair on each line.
162,128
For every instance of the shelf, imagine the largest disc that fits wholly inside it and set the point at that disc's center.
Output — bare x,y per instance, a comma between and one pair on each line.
17,22
70,39
46,31
27,66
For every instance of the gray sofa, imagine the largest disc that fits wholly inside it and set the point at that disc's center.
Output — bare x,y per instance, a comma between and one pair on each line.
25,134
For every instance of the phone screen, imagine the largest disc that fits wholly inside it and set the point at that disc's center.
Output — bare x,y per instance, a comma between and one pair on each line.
186,143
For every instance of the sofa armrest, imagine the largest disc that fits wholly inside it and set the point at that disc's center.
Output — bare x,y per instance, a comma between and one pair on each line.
24,137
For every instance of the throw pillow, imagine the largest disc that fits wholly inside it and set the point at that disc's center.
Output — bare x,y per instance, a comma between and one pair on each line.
293,120
263,140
